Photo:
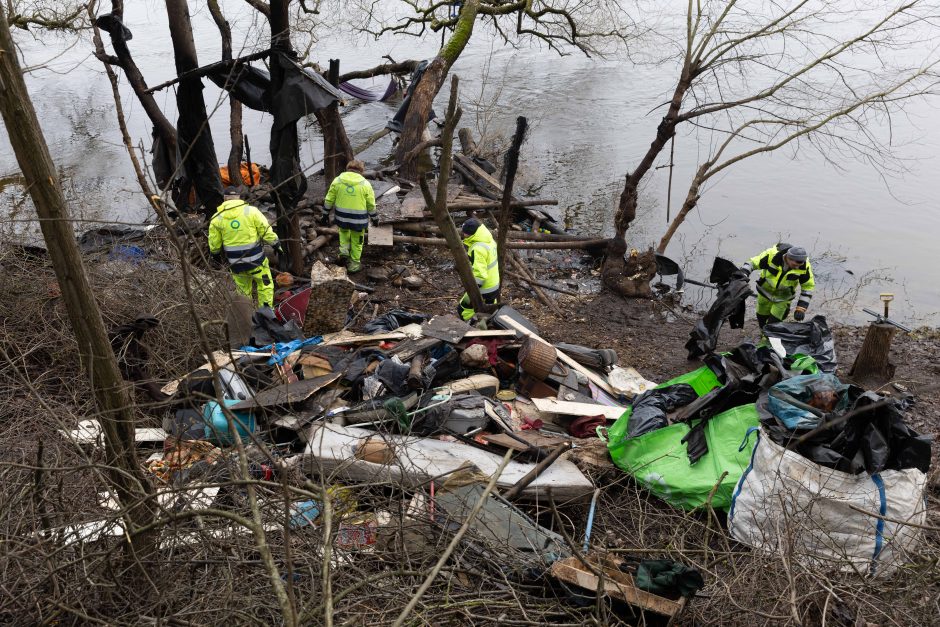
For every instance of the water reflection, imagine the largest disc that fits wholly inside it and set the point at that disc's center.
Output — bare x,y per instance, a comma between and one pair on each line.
590,121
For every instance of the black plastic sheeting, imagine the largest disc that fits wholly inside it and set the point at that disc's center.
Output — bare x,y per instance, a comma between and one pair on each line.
267,329
249,85
872,441
811,338
598,358
650,407
729,304
392,320
397,123
394,375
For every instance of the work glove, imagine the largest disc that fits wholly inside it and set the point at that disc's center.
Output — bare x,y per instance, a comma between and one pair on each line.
278,249
216,260
799,313
374,220
741,274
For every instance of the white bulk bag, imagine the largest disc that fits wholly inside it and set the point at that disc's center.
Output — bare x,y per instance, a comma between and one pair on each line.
785,502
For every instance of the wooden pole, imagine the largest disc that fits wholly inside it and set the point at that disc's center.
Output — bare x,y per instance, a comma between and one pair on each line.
505,214
112,398
438,206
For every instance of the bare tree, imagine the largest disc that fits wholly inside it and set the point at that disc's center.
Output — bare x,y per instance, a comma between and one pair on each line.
235,107
759,76
562,25
104,377
49,16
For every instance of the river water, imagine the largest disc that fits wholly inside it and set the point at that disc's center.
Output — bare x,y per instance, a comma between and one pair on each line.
591,120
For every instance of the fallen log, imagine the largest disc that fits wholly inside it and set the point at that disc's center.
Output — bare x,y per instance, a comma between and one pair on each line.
426,227
522,270
551,245
516,204
544,284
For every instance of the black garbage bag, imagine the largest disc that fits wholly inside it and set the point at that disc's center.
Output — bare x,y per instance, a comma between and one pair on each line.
871,441
811,338
650,407
392,320
454,415
394,374
668,578
266,329
729,304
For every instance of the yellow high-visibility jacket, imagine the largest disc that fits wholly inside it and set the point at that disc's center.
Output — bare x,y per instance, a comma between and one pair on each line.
482,250
354,199
242,231
777,282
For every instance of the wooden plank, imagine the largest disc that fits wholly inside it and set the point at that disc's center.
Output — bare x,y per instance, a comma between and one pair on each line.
533,438
410,331
569,408
380,235
412,206
598,380
345,337
288,393
617,584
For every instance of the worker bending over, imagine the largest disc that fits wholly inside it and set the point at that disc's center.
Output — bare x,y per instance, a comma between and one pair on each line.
783,269
481,247
242,231
353,198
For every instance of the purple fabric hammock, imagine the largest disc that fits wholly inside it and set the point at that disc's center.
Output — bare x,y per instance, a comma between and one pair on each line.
370,95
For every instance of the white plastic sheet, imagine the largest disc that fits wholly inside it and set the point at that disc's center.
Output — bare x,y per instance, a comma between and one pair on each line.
826,518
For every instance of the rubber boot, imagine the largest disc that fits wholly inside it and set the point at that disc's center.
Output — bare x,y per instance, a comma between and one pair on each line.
353,266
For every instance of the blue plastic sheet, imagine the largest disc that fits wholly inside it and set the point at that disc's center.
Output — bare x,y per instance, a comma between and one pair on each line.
283,349
803,388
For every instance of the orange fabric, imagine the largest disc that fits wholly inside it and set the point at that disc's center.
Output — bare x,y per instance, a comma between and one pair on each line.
226,181
255,174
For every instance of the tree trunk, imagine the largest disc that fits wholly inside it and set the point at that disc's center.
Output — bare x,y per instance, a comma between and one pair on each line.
416,120
872,368
235,107
438,205
116,409
337,151
691,201
194,135
505,214
285,150
615,265
162,126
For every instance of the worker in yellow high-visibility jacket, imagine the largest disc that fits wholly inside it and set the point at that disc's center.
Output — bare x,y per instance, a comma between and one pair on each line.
353,199
481,247
241,231
784,269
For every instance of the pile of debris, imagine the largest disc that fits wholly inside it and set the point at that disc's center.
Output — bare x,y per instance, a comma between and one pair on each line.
478,429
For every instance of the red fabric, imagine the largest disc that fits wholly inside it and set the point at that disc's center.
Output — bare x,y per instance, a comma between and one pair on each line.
528,424
491,347
586,426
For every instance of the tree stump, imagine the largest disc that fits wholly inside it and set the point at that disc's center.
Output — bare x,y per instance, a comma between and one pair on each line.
330,293
872,368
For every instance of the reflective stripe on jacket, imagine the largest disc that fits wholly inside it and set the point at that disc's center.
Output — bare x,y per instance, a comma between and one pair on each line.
482,250
354,200
778,282
242,231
